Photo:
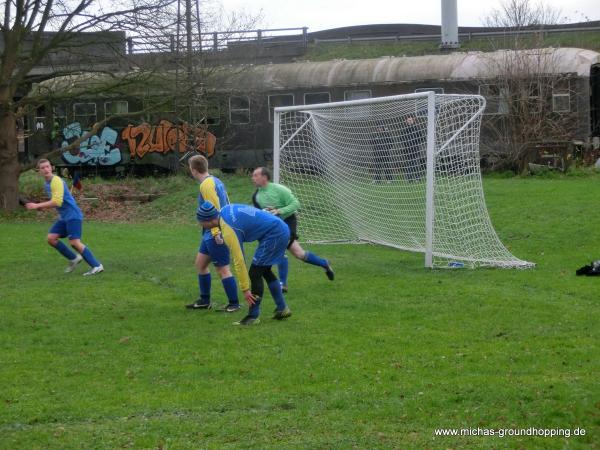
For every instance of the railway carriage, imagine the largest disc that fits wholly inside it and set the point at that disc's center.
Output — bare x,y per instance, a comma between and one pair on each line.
233,124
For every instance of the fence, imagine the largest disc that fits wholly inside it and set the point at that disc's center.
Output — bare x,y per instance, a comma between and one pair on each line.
217,41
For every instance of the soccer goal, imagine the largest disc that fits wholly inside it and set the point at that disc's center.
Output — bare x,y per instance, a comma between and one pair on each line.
401,171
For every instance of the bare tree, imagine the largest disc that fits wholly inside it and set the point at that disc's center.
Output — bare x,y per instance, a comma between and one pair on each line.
33,32
524,99
519,15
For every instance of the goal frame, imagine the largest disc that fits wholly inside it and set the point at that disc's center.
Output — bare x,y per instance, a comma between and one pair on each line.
430,173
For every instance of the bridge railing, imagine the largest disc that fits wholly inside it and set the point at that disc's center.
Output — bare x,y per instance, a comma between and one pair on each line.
217,41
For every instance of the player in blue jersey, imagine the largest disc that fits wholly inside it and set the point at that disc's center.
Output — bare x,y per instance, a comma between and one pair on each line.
212,247
244,223
69,223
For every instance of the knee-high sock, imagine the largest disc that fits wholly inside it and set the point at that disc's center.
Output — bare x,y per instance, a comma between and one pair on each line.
283,269
254,310
275,289
231,290
315,260
89,257
65,251
204,281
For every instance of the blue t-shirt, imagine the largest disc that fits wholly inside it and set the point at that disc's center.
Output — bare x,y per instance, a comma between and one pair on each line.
59,193
250,223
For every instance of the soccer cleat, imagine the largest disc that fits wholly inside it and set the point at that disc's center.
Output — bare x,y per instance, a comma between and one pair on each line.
284,287
283,314
229,308
73,263
199,304
94,270
329,272
247,321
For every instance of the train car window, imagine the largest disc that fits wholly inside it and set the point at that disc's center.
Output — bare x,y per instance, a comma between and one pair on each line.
279,100
40,118
357,95
437,90
117,107
561,96
59,114
561,102
208,113
239,109
534,102
312,98
85,114
496,98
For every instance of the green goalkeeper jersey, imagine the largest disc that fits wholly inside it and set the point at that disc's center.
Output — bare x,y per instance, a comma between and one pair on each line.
276,196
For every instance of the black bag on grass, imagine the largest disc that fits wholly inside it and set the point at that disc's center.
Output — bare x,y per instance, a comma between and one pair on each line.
591,270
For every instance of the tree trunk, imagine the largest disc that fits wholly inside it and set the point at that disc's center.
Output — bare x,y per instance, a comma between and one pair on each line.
9,162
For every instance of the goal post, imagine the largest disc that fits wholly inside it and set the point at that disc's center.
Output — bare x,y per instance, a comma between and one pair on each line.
401,171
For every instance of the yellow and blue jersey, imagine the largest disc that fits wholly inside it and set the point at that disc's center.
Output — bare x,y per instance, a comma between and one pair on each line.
213,190
59,193
244,223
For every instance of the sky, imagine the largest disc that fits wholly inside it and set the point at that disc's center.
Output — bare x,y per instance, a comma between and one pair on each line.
325,14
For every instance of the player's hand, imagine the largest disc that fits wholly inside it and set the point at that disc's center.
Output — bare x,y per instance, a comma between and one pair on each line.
219,239
250,298
30,205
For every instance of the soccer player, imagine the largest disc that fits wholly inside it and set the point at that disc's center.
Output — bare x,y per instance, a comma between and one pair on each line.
280,201
69,223
244,223
212,247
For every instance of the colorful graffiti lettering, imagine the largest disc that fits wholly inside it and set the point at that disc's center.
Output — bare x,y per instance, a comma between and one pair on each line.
96,150
165,137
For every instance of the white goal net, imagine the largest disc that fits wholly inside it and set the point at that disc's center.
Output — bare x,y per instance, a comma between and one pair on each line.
401,171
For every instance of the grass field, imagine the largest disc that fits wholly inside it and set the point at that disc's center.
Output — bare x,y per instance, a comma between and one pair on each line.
380,358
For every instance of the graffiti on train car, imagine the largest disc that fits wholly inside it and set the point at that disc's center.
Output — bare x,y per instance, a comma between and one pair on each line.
165,137
100,149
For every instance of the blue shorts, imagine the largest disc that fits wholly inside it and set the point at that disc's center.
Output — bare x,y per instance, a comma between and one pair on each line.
219,254
67,228
271,249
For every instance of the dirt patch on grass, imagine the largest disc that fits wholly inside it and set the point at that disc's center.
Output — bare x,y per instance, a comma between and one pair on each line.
112,202
106,202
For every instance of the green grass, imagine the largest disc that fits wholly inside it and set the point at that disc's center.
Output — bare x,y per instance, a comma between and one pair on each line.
379,358
325,51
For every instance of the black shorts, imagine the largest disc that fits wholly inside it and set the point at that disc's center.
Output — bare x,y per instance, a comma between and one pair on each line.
292,224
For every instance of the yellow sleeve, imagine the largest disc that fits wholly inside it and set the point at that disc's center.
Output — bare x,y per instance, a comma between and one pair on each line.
235,248
57,188
209,193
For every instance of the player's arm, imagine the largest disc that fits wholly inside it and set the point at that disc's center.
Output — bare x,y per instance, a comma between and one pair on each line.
288,199
235,248
208,191
43,205
57,189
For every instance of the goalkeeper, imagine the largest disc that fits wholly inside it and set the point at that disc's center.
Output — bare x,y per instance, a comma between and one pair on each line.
211,247
243,223
279,200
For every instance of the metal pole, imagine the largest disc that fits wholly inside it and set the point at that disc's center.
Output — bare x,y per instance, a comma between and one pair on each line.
429,192
188,32
276,148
